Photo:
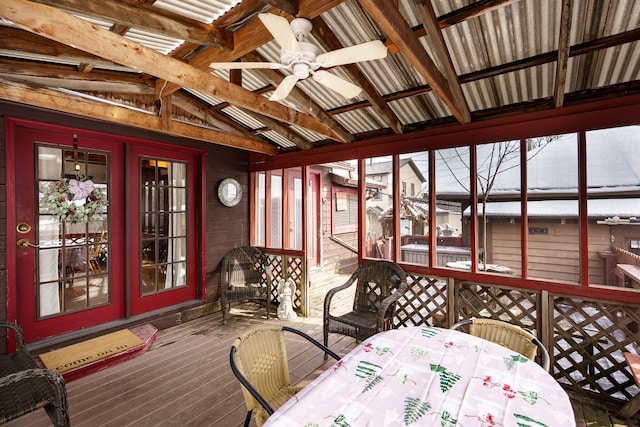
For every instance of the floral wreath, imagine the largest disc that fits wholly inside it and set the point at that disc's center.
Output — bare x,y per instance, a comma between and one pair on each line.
74,200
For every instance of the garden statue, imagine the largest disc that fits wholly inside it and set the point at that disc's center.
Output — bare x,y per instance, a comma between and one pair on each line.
286,291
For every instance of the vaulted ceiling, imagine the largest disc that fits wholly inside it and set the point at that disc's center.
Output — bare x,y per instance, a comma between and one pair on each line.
146,64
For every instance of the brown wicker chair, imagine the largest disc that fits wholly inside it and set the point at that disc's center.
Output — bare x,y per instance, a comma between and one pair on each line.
379,285
259,360
25,387
244,275
508,335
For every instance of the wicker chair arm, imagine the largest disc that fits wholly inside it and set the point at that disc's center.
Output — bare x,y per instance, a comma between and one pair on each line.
322,347
389,301
54,378
18,331
333,291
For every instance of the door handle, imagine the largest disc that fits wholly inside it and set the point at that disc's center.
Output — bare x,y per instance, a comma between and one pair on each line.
25,243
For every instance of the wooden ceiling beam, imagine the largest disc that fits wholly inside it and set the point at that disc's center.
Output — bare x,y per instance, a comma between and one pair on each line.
439,48
210,116
147,17
94,110
564,45
67,29
64,77
330,42
289,6
394,25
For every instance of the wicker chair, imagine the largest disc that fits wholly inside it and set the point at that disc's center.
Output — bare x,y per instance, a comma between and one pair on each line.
259,360
379,285
25,387
508,335
244,276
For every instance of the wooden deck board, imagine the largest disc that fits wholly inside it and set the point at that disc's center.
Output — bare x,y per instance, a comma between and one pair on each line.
185,379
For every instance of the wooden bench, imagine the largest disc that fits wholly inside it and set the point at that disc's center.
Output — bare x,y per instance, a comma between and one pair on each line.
633,405
25,387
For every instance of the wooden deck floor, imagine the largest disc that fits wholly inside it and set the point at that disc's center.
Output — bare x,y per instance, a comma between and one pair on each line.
185,379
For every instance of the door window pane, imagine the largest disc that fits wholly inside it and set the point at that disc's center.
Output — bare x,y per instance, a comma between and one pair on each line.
163,225
72,258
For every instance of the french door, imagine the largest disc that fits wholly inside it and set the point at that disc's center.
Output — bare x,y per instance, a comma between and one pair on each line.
133,252
66,276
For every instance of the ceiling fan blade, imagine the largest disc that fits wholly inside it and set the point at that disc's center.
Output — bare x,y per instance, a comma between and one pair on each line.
281,31
283,89
244,65
361,52
340,85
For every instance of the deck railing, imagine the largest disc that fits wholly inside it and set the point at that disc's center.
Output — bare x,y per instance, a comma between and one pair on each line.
585,337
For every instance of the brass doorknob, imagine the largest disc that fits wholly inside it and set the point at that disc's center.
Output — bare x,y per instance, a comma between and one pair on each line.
25,243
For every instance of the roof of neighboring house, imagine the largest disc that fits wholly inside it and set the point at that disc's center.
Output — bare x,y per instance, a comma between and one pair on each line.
613,165
596,208
385,168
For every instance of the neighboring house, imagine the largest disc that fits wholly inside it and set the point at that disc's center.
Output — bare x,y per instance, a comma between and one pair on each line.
552,208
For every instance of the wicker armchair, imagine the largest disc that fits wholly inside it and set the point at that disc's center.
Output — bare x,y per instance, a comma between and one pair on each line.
25,387
508,335
379,285
259,360
244,276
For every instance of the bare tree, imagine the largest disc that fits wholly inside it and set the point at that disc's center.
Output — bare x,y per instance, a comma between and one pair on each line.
498,158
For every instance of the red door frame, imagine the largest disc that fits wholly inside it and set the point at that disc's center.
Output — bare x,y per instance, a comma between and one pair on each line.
86,318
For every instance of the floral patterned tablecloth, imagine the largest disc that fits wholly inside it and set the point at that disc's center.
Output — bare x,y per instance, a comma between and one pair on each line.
426,376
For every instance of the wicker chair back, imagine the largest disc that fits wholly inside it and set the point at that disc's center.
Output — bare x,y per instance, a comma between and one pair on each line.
244,275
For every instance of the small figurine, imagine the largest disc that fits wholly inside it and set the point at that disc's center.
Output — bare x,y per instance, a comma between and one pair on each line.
286,289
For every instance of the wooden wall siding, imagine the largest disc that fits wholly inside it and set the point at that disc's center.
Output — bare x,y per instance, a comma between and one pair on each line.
553,256
3,232
335,255
585,338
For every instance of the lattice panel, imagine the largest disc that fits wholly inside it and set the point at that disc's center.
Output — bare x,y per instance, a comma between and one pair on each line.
513,306
589,338
424,303
284,267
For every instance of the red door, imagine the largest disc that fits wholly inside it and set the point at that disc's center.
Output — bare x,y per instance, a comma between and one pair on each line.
66,275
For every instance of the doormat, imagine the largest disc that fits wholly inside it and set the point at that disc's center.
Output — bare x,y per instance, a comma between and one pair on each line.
91,351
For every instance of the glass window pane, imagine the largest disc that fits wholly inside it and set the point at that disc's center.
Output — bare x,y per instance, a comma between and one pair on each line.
499,212
275,231
613,187
453,197
260,227
379,214
552,187
414,208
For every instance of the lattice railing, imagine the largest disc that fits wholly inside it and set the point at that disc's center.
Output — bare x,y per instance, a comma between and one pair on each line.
424,303
585,338
285,267
589,338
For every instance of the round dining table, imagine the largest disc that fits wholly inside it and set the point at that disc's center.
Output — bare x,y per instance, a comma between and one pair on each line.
428,376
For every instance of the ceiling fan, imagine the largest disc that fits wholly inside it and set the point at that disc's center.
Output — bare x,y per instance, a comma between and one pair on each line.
302,59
